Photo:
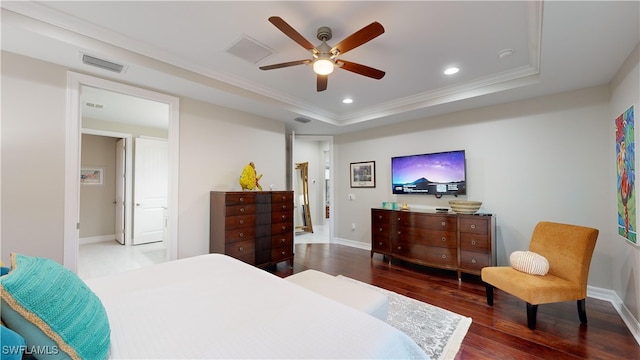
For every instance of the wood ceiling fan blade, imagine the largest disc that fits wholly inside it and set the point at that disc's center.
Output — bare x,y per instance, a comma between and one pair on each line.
322,82
286,64
360,37
361,69
291,32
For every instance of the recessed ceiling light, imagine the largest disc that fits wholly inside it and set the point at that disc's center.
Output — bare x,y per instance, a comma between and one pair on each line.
451,70
347,100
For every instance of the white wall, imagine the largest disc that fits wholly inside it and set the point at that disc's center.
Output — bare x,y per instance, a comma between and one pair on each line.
33,138
550,158
215,144
626,257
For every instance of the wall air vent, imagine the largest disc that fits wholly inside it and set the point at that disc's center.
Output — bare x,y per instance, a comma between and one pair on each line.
302,120
103,64
249,49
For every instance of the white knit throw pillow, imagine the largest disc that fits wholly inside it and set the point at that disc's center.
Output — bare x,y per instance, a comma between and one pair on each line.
529,262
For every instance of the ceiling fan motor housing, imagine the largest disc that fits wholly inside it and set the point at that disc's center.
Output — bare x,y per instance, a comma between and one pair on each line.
324,33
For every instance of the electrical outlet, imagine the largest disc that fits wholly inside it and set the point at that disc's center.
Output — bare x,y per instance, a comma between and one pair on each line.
352,197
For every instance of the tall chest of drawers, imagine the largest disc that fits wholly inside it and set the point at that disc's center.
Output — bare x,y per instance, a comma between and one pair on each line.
255,227
464,243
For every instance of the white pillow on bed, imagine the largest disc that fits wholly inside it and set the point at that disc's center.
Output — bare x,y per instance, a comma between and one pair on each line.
529,262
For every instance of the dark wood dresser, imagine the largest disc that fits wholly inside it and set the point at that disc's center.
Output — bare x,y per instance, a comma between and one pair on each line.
464,243
253,226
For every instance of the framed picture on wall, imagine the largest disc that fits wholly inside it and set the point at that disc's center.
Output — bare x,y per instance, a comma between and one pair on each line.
91,176
363,174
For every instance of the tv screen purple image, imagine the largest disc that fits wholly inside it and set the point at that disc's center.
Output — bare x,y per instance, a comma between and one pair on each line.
431,174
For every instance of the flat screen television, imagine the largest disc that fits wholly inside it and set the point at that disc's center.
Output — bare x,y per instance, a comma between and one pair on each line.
437,174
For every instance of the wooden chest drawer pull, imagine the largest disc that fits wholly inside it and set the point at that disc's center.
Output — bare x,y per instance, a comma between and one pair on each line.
284,217
473,242
241,235
379,217
473,261
241,221
283,197
399,247
284,207
241,249
379,229
283,228
398,218
443,223
284,253
444,256
283,240
399,232
241,210
444,238
380,243
241,199
473,226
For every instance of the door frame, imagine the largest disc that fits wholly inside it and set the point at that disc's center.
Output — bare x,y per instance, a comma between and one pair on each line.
72,160
128,179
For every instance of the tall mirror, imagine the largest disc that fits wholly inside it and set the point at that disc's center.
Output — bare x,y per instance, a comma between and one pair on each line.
301,190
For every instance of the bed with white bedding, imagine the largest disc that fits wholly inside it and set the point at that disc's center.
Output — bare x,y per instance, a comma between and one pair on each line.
214,306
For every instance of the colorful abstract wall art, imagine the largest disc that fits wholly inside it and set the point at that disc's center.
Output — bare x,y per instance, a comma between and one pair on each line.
626,175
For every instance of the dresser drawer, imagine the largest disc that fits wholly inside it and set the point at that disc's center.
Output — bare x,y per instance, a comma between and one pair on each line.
474,225
239,198
474,242
381,230
426,237
440,256
426,221
281,216
282,253
282,197
240,234
282,228
235,210
282,240
241,249
470,260
380,217
234,222
283,206
381,243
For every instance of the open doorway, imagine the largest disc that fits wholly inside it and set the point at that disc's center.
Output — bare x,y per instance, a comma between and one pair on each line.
77,83
316,152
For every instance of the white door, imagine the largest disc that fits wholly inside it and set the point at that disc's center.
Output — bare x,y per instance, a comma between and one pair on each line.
120,190
151,177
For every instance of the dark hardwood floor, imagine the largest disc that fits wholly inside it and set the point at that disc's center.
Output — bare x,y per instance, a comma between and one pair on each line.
498,332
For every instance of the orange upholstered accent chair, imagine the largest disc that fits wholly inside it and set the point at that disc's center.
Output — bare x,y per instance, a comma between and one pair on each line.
568,248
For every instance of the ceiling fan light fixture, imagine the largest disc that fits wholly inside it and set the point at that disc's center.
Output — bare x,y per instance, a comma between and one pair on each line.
323,66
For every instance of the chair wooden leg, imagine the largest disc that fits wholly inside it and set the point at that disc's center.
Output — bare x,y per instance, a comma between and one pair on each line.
489,294
582,311
532,310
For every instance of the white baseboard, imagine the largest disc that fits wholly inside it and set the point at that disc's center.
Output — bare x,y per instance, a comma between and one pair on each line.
593,292
609,295
96,239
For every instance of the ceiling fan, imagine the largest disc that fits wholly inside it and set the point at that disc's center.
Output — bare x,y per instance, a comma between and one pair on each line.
324,57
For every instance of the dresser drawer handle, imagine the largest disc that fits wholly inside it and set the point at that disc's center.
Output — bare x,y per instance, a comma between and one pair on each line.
444,256
283,197
443,223
398,219
283,228
241,210
284,207
241,249
379,229
241,221
380,243
473,226
473,261
284,253
444,238
241,199
379,217
241,235
284,217
399,247
473,242
283,240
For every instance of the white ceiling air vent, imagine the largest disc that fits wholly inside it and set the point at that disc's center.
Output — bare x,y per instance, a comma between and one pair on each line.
248,49
103,64
302,120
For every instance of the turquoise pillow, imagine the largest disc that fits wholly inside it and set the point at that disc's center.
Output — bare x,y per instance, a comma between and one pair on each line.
13,344
53,309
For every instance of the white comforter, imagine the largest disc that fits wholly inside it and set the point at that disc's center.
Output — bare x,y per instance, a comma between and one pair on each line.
214,306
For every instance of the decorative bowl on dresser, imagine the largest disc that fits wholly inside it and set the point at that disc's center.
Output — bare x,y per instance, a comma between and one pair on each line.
253,226
458,242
